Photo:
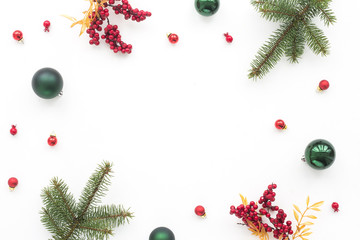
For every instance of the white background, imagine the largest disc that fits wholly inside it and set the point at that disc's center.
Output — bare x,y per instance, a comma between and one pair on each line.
182,123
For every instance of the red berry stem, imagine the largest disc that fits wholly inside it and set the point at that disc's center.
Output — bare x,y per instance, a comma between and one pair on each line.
111,34
249,213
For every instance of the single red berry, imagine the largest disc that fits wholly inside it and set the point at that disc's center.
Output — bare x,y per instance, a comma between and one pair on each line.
280,124
335,206
52,140
173,38
13,130
274,186
18,35
46,25
323,85
228,37
200,211
13,182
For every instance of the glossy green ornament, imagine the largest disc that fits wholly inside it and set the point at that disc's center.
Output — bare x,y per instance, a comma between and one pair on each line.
207,7
162,233
320,154
47,83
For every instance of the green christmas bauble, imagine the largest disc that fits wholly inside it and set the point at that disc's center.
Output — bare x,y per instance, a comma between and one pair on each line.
47,83
207,7
320,154
162,233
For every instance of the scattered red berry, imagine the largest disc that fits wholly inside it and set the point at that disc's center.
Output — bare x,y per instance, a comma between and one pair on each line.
46,25
335,206
52,140
323,85
228,37
13,182
18,35
280,124
200,211
13,130
173,38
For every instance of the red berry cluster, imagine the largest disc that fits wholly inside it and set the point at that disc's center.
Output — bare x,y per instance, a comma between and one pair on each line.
249,213
111,33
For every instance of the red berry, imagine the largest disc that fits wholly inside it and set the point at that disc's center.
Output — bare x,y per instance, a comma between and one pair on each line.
228,38
323,85
46,25
18,35
52,140
335,206
173,38
13,130
13,182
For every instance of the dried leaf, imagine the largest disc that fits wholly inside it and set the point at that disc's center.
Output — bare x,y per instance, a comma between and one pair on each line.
318,204
243,199
311,216
315,209
296,216
70,18
78,22
305,230
307,223
307,201
297,208
306,234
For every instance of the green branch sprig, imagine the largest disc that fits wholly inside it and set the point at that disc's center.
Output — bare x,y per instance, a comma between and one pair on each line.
67,219
296,30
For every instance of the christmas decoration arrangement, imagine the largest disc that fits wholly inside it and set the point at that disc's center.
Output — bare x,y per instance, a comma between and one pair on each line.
47,83
67,219
319,154
98,13
207,7
254,215
296,30
162,233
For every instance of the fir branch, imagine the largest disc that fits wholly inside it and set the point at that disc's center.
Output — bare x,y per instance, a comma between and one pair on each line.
67,220
95,188
111,215
327,16
62,189
51,224
295,47
295,30
316,39
270,53
275,11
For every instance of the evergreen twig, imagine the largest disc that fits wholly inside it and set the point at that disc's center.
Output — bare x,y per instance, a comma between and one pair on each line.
295,31
68,220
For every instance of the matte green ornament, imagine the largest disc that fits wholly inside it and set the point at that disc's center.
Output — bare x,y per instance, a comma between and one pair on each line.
162,233
47,83
207,7
320,154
